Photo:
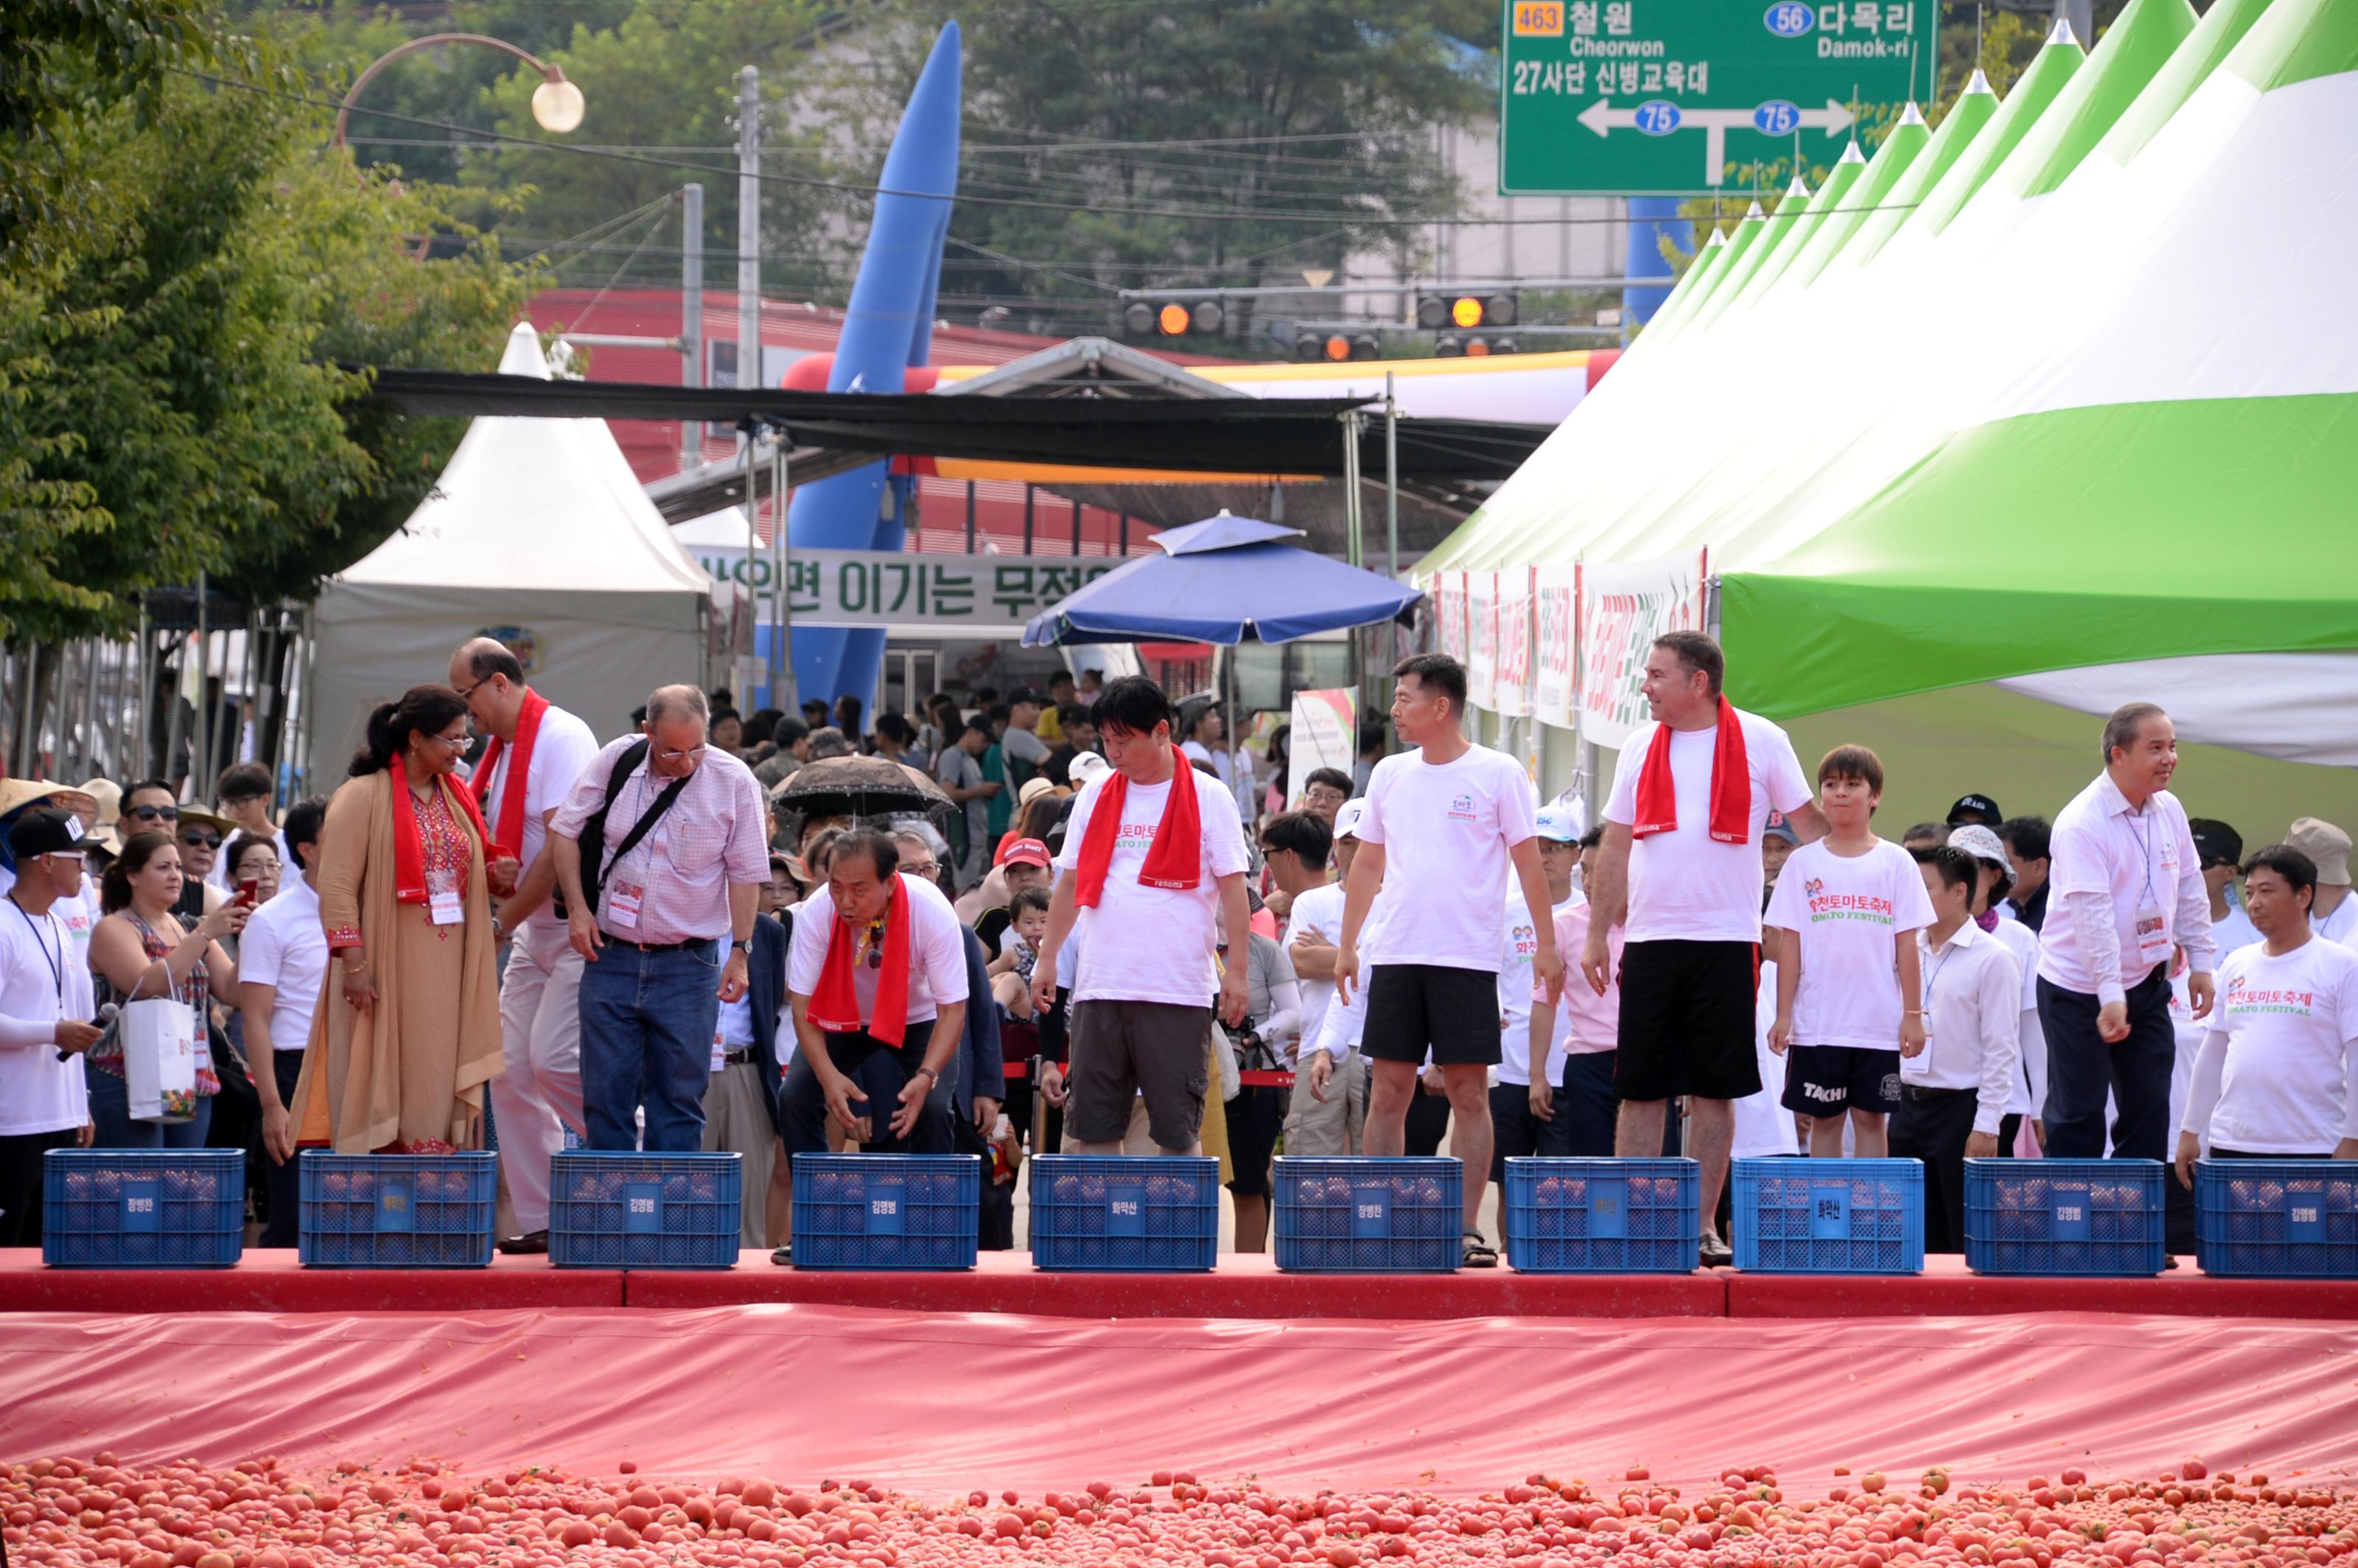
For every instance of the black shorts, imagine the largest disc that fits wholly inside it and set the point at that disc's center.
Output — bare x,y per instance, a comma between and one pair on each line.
1687,1020
1516,1133
1255,1118
1412,1006
1827,1080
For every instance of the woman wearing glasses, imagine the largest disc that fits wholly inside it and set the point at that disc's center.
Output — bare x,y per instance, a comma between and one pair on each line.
410,1029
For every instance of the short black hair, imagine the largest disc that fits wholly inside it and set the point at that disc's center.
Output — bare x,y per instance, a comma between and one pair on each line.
1436,672
881,852
1858,762
301,827
1371,737
1064,676
978,725
2026,835
1071,713
1334,778
1592,837
788,730
1304,833
1030,898
130,790
2287,862
1696,652
1133,703
240,779
1957,868
1938,832
895,728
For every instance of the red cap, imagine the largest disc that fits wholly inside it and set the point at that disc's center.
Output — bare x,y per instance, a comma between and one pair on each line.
1025,852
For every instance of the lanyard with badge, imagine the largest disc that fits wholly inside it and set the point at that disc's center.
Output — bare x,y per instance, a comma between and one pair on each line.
1923,1064
625,896
2152,929
56,963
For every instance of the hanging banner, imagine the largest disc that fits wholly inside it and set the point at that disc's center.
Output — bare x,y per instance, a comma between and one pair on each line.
1514,678
1555,645
1325,735
982,596
1482,636
1623,608
1449,615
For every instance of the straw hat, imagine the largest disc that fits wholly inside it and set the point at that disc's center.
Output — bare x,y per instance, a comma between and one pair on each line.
106,826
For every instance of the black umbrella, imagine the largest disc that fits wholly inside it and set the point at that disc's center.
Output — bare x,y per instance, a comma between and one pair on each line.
858,786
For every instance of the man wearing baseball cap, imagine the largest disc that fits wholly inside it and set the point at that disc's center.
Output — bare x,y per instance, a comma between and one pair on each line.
45,1003
1978,809
2334,913
1517,1127
2219,851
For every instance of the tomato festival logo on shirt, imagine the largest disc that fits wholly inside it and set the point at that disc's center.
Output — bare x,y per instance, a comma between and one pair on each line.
1133,836
1461,809
2244,997
1845,905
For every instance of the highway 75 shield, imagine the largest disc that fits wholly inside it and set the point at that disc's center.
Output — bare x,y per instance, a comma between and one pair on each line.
1668,97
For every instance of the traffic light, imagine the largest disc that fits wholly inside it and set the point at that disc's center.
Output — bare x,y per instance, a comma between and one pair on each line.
1336,348
1438,313
1172,318
1474,345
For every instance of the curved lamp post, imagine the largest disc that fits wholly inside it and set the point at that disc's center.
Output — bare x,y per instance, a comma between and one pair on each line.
556,103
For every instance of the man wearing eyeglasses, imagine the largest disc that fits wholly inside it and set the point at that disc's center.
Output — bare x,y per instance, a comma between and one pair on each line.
243,793
151,807
537,753
667,938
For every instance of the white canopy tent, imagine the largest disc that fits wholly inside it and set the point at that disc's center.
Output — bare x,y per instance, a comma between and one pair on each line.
539,534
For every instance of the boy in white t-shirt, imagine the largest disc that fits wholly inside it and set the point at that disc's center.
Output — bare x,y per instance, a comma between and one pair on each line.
2278,1078
1849,998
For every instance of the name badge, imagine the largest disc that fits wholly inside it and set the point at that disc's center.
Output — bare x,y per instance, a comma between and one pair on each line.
623,904
442,899
719,1052
2152,936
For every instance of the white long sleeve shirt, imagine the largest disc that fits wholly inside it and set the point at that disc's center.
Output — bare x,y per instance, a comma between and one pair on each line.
1972,1021
2109,863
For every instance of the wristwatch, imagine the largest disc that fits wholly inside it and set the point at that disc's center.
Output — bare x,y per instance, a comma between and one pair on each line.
744,947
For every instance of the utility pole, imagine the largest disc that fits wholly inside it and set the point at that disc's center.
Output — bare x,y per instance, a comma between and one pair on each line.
749,228
691,314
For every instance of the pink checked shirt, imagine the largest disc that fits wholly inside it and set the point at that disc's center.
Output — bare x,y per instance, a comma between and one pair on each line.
710,838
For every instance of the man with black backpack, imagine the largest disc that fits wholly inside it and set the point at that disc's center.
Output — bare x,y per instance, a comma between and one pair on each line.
661,855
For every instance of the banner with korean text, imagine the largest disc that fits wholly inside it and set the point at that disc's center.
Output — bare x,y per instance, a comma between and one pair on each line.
1555,616
1449,615
1482,637
982,596
1512,698
1325,736
1623,608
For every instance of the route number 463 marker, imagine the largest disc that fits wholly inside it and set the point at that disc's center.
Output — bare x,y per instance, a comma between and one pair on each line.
1661,117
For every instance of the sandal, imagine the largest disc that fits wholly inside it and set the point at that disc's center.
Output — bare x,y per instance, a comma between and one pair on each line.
1477,1252
783,1256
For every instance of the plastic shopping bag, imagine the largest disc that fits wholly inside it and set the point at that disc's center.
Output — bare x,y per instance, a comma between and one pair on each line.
160,1041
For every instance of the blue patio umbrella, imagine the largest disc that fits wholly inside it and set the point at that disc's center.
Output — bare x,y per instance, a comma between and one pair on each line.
1223,581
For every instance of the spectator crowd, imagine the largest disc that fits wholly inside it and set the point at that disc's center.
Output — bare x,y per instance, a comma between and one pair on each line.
498,932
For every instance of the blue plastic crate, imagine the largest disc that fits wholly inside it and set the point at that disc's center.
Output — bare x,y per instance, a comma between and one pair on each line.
397,1211
887,1211
1603,1217
2079,1218
121,1208
1110,1214
1829,1216
1369,1215
2277,1219
624,1210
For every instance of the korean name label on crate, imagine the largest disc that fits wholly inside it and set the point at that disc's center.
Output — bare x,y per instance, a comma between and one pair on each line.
139,1205
888,1208
1371,1210
1125,1210
642,1208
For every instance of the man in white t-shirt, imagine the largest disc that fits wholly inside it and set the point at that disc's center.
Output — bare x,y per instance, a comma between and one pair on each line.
2127,897
1517,1127
1329,1110
1680,870
537,1094
1147,855
2278,1075
45,1007
1449,824
282,957
878,965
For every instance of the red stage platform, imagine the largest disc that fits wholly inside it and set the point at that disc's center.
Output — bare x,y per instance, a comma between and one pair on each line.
1243,1287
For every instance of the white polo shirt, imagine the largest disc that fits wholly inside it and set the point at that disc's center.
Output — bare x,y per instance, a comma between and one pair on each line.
282,946
2135,859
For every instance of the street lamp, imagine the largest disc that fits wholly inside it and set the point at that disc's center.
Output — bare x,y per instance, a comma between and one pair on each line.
557,104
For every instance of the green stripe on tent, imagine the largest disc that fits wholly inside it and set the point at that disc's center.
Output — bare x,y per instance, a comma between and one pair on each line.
2054,65
1775,236
2299,41
2132,53
1966,119
2221,28
2063,539
1900,150
1667,323
1833,193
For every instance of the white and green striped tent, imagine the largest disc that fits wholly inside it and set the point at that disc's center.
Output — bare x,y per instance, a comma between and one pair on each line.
2047,408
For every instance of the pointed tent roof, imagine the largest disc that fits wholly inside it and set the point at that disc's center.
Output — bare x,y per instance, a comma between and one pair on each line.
539,505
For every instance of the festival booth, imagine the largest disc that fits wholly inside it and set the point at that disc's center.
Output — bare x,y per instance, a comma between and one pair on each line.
537,534
2049,408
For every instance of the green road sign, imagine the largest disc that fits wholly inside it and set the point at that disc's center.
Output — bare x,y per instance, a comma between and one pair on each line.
1659,97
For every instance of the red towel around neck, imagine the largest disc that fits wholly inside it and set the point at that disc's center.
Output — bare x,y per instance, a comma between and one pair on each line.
510,845
835,1006
1176,859
1731,786
408,847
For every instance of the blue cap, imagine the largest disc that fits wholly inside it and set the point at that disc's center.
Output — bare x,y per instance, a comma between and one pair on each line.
1778,828
1558,823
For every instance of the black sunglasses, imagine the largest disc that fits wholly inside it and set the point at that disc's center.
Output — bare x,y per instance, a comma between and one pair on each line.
198,836
156,813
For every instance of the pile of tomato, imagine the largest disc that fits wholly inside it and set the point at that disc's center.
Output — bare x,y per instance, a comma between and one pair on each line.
424,1514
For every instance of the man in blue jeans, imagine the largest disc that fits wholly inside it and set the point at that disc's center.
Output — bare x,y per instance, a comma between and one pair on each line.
665,938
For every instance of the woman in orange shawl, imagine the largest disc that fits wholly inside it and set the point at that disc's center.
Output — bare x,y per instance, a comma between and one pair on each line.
407,1032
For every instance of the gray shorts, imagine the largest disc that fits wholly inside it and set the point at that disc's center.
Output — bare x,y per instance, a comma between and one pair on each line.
1332,1125
1122,1050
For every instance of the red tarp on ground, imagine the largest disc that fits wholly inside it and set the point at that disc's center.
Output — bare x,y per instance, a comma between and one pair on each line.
942,1402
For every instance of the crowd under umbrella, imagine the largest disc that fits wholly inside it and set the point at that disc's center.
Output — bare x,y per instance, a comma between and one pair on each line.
1224,580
